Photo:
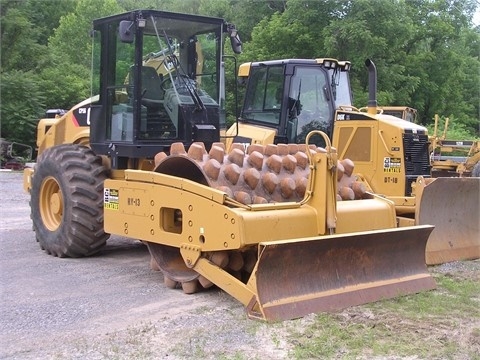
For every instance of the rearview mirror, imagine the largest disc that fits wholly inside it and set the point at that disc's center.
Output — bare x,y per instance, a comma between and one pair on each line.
235,39
125,31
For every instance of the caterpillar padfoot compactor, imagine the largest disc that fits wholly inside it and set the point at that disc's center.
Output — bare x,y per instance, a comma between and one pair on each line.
271,226
285,99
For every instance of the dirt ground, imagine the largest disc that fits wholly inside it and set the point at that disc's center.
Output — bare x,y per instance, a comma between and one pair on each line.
113,306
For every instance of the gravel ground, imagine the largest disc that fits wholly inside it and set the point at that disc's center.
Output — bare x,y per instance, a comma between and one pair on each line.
110,305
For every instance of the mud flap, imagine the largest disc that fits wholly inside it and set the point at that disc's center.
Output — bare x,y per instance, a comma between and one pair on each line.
298,277
453,205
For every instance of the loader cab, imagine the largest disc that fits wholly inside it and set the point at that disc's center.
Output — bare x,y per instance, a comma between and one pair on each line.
293,97
160,79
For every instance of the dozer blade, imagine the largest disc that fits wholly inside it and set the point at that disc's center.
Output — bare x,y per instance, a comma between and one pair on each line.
453,206
299,277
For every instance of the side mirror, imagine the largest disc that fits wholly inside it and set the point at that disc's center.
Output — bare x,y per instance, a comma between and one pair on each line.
125,31
292,126
235,39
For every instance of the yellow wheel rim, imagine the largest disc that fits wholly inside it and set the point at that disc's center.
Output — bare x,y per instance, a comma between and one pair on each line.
51,204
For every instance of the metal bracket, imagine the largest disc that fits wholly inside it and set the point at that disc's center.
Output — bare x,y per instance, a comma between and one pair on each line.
190,253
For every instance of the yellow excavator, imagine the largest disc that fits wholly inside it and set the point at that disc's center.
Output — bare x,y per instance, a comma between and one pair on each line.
143,159
285,99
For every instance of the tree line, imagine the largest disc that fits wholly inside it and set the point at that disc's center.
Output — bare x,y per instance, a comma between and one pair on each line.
426,51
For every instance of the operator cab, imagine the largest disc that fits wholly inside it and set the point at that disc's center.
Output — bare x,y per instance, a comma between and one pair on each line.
295,96
403,112
160,79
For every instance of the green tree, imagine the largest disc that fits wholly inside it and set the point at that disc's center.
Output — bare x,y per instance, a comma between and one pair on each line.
426,52
71,41
375,30
25,28
22,104
20,45
45,16
444,54
67,77
247,14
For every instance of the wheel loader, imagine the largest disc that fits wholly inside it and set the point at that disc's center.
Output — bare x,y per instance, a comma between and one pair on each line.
285,99
264,225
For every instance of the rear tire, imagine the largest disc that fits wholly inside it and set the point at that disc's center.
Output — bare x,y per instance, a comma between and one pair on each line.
67,201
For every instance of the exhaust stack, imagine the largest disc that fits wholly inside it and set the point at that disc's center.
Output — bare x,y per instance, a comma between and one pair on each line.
372,86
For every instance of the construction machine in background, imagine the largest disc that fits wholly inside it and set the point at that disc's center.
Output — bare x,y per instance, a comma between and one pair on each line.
448,157
263,225
453,157
14,155
403,112
285,99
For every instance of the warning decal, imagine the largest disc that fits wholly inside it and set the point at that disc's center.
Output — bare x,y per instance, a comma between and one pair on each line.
110,199
391,165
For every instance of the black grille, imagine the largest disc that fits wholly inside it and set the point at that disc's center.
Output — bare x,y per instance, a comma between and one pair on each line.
416,158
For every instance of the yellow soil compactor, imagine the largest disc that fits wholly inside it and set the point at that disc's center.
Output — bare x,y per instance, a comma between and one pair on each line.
285,99
285,229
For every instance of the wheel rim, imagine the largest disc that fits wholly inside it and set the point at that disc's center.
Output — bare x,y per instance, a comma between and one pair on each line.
51,204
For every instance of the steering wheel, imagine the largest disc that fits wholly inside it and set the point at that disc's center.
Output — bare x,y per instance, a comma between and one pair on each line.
312,114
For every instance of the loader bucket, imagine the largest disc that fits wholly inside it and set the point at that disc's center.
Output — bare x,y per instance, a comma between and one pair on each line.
298,277
453,205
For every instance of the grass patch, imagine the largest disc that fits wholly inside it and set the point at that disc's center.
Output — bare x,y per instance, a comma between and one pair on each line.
452,298
443,323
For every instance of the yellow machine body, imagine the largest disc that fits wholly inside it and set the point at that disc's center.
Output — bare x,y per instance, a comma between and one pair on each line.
70,128
458,236
377,148
375,143
449,157
339,254
259,135
211,218
390,152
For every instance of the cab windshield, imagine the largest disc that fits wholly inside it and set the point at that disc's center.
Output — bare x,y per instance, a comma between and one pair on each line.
178,74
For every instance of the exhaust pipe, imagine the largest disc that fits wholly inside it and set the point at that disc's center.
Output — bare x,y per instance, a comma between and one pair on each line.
372,86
